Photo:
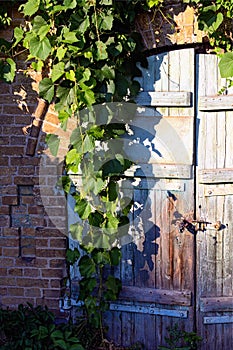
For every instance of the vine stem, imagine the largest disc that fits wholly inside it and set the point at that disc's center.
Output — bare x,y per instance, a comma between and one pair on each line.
100,295
96,25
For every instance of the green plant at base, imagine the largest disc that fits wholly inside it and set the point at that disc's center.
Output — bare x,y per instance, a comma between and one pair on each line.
190,340
29,328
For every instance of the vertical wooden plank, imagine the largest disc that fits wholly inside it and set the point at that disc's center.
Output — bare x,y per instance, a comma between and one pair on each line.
162,78
174,75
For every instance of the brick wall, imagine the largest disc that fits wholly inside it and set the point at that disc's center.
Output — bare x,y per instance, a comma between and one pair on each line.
32,242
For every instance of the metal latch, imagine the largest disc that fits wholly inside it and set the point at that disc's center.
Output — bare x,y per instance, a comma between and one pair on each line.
199,225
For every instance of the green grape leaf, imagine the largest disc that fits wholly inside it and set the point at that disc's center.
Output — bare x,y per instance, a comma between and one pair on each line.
31,7
86,266
40,27
82,207
76,231
57,71
40,48
115,256
46,89
72,255
61,51
70,4
226,65
53,143
18,35
101,53
9,70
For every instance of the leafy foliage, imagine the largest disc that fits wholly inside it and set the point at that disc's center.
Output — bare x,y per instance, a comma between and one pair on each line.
215,18
29,328
190,340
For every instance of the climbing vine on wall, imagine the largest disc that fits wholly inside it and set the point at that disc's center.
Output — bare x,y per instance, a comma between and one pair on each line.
86,51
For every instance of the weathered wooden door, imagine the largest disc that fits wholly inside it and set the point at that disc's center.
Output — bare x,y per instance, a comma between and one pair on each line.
214,245
178,267
157,268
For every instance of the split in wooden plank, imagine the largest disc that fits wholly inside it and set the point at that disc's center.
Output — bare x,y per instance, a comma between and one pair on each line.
159,296
165,98
216,103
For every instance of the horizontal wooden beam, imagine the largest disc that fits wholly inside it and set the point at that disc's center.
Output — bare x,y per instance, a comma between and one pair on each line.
216,304
216,103
223,190
164,99
158,296
214,176
162,171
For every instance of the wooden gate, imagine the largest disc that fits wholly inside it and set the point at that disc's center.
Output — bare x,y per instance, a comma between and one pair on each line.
178,268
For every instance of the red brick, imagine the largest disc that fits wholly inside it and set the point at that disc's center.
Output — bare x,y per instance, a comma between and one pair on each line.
53,303
8,120
4,161
18,140
37,221
6,180
10,242
15,301
11,151
24,180
15,272
52,273
48,232
4,221
28,231
32,282
3,271
36,210
7,281
9,190
4,140
15,291
55,263
33,292
10,200
13,110
28,251
5,171
10,252
6,261
37,262
3,291
12,130
26,170
10,231
27,200
58,243
51,253
40,242
23,120
30,272
52,293
55,283
24,161
4,209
